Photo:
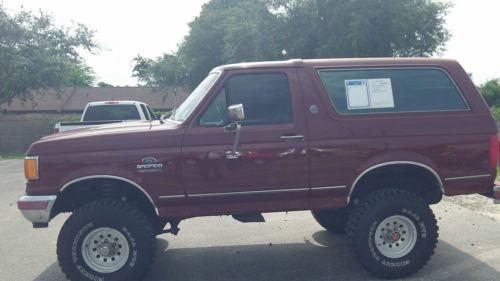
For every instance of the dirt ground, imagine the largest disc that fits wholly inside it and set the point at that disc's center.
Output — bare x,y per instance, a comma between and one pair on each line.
477,203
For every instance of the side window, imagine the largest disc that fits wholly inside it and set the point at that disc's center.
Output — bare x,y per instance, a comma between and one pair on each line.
145,112
266,99
216,113
357,91
151,113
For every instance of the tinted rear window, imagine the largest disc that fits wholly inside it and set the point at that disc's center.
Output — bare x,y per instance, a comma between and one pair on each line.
356,91
111,112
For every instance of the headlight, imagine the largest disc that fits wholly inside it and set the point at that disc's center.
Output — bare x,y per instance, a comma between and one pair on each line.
31,167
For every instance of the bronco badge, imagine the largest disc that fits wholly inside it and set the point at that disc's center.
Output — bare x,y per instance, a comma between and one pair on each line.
149,164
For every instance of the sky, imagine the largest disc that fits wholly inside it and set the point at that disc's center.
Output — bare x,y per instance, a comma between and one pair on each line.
150,28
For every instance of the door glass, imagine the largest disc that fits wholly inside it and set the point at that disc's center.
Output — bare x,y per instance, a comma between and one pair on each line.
151,113
145,112
216,113
266,100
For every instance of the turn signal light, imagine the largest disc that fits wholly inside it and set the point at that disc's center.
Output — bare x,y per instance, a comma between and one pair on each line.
31,168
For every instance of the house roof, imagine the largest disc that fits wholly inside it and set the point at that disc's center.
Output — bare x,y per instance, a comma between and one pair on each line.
74,99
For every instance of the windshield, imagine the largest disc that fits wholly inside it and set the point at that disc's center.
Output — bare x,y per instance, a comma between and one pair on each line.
187,107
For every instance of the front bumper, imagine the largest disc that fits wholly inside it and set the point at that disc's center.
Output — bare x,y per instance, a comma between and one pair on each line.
37,209
496,194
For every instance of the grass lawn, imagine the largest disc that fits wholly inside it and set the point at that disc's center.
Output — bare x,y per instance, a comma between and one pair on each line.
11,156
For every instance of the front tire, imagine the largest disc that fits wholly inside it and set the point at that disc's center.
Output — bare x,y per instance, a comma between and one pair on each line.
392,233
106,240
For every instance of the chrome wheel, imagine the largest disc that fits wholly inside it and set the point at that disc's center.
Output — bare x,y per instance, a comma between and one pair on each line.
395,237
105,250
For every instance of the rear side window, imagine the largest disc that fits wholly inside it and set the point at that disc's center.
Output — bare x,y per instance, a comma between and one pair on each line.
111,112
355,91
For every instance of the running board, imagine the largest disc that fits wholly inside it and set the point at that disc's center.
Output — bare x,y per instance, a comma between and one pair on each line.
257,217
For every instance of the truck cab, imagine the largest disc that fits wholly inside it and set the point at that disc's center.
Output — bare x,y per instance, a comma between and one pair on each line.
107,112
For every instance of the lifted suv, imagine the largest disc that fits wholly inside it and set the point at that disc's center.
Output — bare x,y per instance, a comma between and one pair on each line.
366,144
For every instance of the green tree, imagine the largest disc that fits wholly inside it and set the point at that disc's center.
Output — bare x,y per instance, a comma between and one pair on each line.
491,94
80,75
226,31
360,28
164,71
103,84
35,53
229,31
495,112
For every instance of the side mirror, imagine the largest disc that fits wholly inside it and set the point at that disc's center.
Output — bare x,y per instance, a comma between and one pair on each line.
236,112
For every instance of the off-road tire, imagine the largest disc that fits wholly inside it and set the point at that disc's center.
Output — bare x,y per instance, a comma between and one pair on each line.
365,220
333,220
125,221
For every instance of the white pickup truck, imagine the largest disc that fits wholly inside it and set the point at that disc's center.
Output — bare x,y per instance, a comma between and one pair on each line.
105,112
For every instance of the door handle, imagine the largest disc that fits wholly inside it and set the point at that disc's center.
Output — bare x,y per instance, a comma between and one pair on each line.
292,137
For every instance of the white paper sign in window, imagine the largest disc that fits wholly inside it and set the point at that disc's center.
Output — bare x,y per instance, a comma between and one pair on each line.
369,93
380,91
357,94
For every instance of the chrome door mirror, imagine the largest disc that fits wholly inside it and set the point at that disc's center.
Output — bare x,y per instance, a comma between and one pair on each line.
236,112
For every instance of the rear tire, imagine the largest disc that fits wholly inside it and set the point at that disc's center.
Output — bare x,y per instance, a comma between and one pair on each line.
392,233
106,240
333,220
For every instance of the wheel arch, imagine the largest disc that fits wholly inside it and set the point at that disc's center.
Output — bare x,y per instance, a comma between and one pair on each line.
103,184
425,169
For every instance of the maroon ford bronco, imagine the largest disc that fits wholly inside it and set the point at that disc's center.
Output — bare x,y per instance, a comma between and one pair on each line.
365,144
